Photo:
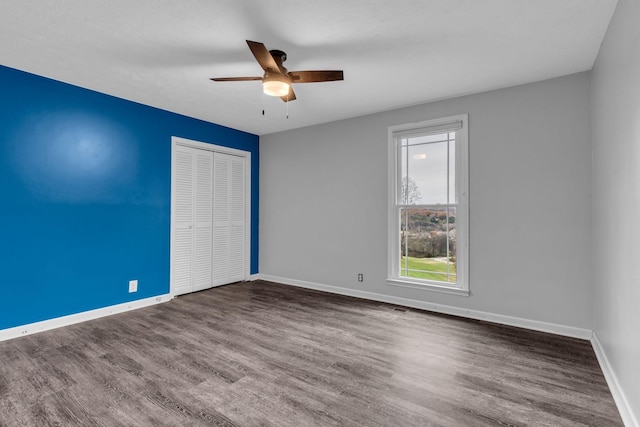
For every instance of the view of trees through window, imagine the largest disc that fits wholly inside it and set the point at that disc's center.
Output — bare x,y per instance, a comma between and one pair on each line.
428,243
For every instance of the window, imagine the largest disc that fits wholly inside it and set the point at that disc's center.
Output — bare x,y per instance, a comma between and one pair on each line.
428,205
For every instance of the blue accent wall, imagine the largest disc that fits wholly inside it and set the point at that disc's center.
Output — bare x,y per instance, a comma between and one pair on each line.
85,192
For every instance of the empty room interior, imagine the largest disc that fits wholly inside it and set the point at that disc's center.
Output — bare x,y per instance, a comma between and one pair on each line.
281,213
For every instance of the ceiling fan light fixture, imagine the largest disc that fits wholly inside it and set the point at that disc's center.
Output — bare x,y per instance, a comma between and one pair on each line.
275,87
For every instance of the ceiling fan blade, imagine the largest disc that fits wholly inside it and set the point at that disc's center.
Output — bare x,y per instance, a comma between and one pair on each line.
263,57
234,79
316,76
291,96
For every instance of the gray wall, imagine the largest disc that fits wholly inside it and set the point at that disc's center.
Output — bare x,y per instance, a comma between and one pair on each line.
616,198
323,202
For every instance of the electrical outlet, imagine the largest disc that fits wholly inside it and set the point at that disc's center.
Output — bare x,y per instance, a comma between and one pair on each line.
133,286
360,277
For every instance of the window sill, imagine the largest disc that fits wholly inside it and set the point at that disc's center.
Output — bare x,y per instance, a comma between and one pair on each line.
428,287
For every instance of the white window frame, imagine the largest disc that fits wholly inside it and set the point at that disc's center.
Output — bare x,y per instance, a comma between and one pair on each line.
461,287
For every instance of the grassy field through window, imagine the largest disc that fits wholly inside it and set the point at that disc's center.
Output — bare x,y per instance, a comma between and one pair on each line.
428,269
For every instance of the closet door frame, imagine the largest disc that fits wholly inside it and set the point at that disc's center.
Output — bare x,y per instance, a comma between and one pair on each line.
177,141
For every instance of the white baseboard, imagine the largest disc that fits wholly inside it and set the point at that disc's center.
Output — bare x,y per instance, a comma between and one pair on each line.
626,412
254,277
58,322
569,331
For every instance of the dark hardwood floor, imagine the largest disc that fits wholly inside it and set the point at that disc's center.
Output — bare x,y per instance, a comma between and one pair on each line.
263,354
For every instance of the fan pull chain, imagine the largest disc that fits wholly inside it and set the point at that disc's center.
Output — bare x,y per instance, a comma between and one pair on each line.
287,105
263,103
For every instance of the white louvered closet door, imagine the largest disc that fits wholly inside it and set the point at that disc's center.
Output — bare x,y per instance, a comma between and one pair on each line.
183,223
209,219
193,219
237,200
203,220
228,219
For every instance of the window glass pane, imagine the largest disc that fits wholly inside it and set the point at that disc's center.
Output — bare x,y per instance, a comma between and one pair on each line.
427,173
403,173
452,245
425,244
452,168
403,242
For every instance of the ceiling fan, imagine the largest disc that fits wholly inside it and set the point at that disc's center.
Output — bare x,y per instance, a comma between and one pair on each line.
277,80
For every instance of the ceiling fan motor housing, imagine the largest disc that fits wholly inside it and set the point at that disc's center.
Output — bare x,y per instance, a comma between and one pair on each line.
278,54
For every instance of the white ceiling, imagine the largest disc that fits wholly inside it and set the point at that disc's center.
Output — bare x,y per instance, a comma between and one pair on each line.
394,53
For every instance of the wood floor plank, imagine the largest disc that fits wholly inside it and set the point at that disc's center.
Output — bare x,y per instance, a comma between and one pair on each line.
265,354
